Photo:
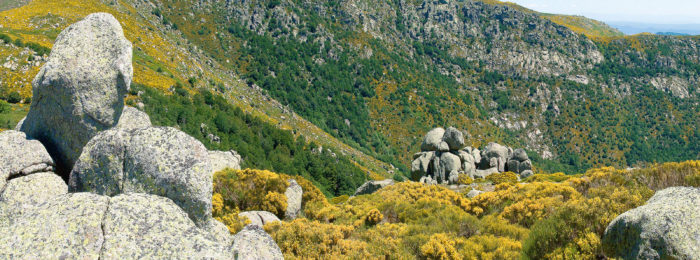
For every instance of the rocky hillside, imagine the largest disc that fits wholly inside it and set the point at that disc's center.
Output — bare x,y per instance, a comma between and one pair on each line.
372,77
379,74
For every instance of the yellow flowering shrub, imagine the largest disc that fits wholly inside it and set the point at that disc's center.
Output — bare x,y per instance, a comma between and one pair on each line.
373,217
306,239
465,179
441,247
252,190
489,247
503,177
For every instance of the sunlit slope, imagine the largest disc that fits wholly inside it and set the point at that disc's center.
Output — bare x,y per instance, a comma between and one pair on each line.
162,58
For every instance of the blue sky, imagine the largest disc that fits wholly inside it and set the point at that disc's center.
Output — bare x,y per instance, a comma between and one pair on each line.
643,11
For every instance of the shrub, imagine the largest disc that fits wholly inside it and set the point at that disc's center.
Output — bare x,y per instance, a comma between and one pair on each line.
441,247
465,179
14,97
503,177
373,217
308,239
4,107
252,190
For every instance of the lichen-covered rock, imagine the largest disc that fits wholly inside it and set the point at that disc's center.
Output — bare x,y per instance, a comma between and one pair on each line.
432,139
454,138
24,193
443,147
293,193
372,186
66,227
495,150
259,218
666,227
133,118
484,173
473,193
524,166
80,89
143,226
253,243
156,160
526,173
20,156
225,159
512,166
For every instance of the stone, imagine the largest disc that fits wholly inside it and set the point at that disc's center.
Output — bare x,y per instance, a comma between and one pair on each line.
21,156
494,150
484,173
133,118
526,173
454,138
420,165
225,159
520,155
143,226
294,194
449,165
373,186
259,218
253,243
501,164
443,147
666,227
525,166
156,160
477,155
473,193
434,168
432,139
512,166
468,165
427,180
19,124
80,89
25,193
66,227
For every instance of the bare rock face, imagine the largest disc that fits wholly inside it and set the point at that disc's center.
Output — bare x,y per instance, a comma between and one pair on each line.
293,193
21,156
259,218
80,90
373,186
433,139
454,138
666,227
156,160
253,243
225,159
142,226
133,118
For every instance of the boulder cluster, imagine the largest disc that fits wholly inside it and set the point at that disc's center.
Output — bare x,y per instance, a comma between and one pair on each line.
443,158
85,177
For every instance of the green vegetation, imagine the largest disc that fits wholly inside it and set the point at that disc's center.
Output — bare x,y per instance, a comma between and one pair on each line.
261,144
541,219
11,114
584,25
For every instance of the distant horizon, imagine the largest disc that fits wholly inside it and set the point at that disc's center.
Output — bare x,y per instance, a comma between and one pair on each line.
628,16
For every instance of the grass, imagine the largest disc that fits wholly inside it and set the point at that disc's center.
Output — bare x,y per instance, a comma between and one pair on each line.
10,119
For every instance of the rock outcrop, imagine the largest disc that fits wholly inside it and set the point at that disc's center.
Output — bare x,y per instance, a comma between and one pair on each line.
666,227
253,243
442,159
259,218
372,186
133,118
21,156
25,193
293,194
80,90
225,159
156,160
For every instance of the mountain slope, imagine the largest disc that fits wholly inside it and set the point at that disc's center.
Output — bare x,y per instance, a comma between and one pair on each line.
583,25
378,75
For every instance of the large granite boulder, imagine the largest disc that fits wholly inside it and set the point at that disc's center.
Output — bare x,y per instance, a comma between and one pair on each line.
26,192
432,139
133,118
520,155
454,138
373,186
21,156
225,159
259,218
66,227
420,165
80,89
450,165
666,227
253,243
293,193
142,226
156,160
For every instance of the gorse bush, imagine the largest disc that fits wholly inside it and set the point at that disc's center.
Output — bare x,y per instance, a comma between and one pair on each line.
408,220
